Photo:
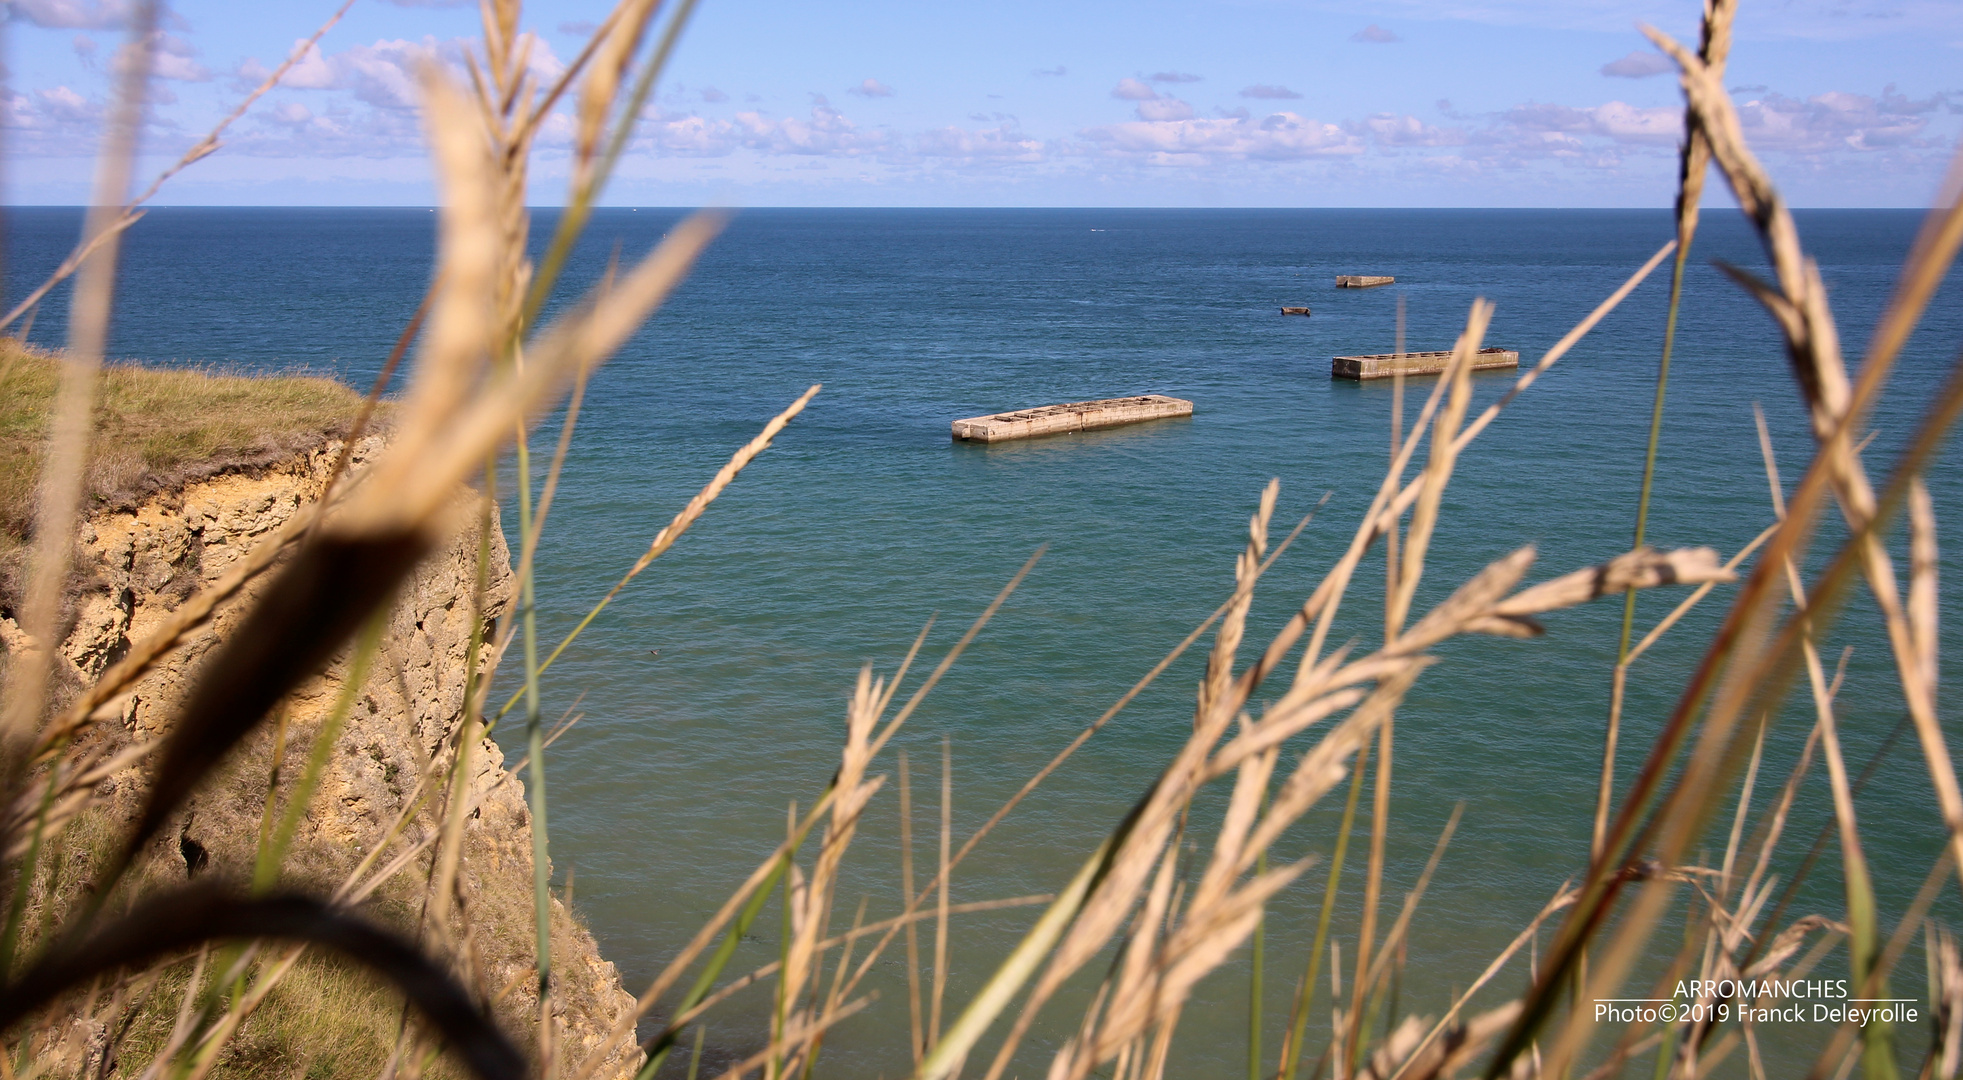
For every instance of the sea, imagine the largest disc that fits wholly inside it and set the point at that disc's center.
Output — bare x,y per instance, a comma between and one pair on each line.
710,697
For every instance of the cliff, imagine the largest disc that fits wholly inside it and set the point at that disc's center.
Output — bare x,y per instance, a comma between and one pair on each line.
136,563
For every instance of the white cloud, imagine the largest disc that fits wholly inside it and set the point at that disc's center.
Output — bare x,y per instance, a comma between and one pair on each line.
1390,129
1265,92
1282,136
1058,71
55,122
171,57
1815,20
827,132
1618,121
383,74
871,88
66,105
1001,145
1133,90
1174,77
70,14
368,101
1639,64
691,136
1165,108
1375,35
1835,121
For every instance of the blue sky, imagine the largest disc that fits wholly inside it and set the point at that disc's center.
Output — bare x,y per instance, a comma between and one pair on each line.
1043,102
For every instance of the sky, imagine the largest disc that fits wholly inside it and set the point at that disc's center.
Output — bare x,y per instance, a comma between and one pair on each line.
1450,103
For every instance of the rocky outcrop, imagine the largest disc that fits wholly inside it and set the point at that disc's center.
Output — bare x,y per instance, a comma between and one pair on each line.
383,774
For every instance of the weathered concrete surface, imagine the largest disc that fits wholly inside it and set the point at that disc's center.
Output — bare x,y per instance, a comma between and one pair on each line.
1071,416
1362,281
1294,311
1385,365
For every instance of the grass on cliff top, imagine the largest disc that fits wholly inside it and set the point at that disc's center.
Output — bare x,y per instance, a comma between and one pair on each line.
156,428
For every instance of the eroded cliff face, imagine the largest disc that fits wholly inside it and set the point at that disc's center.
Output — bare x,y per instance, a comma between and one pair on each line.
393,752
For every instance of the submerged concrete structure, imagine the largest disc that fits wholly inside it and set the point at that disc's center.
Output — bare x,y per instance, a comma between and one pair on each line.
1362,281
1385,365
1070,416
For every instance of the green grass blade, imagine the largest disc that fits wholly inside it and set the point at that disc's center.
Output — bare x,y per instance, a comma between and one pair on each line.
1298,1024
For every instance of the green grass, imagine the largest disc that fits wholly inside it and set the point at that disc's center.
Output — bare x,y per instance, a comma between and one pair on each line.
155,429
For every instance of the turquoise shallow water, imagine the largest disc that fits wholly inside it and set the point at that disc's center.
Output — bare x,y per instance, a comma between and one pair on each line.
864,521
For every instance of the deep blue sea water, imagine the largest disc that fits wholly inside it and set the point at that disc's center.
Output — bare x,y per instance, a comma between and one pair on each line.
864,521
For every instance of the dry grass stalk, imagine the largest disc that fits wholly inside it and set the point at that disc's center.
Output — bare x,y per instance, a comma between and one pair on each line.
483,378
127,213
941,884
60,490
1813,346
666,537
1322,688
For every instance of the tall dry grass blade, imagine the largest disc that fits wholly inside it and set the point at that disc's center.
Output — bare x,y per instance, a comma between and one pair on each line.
589,182
892,726
684,1017
418,475
669,533
1305,992
199,150
1683,607
1694,162
1444,455
917,1041
1925,564
443,870
1391,535
272,854
1877,1038
759,882
1814,348
698,998
1874,984
306,615
59,499
1394,940
1124,699
941,894
181,1028
175,921
1373,881
1002,812
1021,964
1216,691
171,631
1619,682
1148,827
1257,1011
1563,898
1561,348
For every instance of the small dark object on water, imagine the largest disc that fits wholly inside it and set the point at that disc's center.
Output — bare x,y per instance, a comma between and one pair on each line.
1362,281
1294,311
654,652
